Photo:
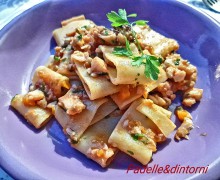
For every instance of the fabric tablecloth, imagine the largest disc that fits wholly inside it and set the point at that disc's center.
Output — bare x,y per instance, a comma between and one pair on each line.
9,9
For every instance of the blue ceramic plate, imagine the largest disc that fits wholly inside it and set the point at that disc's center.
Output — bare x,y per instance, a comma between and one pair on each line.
26,43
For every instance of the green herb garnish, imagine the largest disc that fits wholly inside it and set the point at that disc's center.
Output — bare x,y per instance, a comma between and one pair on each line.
136,136
140,137
130,152
123,51
105,32
56,58
118,19
121,18
79,37
85,27
141,22
64,59
150,62
177,62
151,67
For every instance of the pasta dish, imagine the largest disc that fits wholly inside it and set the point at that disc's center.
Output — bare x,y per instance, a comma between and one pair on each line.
110,88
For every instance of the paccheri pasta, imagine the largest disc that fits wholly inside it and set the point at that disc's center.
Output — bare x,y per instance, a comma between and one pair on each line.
109,89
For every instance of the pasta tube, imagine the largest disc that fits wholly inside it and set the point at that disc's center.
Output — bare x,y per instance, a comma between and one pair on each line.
94,142
34,115
159,115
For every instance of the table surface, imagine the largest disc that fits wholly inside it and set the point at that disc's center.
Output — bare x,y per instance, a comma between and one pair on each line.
9,9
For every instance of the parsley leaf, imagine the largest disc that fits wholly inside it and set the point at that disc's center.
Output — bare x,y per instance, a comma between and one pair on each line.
56,58
123,14
64,59
150,62
140,137
118,19
136,136
105,32
151,68
79,37
137,61
127,45
141,22
85,27
132,15
151,65
123,51
177,62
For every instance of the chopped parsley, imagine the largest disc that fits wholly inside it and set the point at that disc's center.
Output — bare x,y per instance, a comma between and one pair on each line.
84,27
79,37
130,152
177,62
150,62
121,18
123,51
144,140
140,137
141,22
105,32
136,136
64,59
56,58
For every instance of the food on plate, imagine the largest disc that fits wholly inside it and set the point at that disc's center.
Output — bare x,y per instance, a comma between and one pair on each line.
110,88
136,135
34,114
187,123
